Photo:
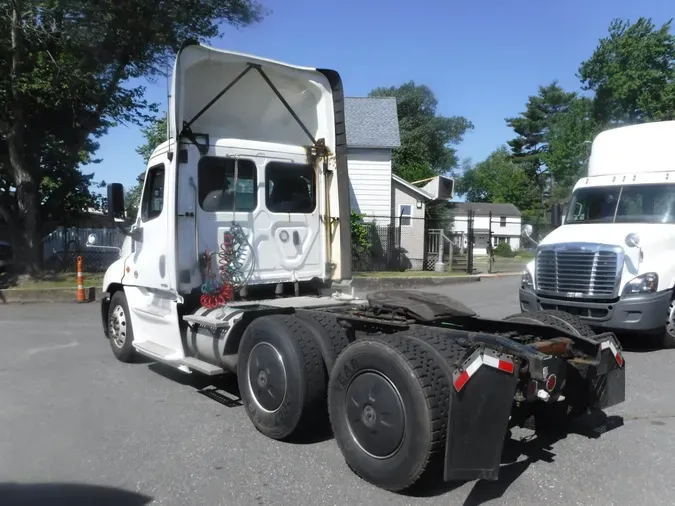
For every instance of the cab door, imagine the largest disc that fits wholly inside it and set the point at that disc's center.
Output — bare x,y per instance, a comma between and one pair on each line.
147,264
293,240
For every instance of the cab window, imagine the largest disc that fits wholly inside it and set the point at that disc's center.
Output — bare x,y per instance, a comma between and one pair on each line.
153,194
216,186
290,188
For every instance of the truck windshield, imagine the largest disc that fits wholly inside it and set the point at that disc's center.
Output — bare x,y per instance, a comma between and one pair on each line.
650,203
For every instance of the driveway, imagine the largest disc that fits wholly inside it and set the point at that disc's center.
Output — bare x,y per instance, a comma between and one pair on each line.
144,434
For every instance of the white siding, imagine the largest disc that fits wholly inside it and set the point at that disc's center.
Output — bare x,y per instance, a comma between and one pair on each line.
412,235
511,230
370,182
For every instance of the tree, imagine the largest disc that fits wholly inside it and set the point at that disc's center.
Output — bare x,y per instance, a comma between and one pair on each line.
632,73
155,133
569,137
65,66
426,138
498,179
532,127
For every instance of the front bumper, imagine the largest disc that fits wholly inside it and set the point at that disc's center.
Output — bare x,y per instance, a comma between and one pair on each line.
638,313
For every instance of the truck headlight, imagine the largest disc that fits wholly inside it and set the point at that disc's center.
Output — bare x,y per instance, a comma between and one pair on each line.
645,283
526,279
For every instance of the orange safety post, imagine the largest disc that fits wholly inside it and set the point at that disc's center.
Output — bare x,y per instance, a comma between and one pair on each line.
80,281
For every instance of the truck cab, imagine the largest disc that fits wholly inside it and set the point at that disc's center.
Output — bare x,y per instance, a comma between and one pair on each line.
612,262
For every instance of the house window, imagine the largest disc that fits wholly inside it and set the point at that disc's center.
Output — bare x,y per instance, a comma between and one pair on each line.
405,214
215,180
153,194
290,188
502,221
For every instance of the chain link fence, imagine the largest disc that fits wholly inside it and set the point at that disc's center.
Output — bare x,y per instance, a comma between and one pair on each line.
405,243
61,248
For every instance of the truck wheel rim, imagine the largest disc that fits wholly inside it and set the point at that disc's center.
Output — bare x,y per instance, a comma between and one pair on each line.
670,324
118,326
267,377
375,414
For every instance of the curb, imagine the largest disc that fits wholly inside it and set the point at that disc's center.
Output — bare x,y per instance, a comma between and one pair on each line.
92,294
47,295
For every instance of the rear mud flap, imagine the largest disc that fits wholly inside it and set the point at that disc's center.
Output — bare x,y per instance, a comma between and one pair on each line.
607,382
478,422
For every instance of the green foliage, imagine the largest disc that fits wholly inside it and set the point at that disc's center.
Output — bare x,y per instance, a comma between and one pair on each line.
504,250
532,127
498,179
426,138
65,69
632,73
569,140
155,133
360,235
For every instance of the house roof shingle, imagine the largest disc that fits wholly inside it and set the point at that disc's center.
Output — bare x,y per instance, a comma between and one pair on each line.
483,208
371,122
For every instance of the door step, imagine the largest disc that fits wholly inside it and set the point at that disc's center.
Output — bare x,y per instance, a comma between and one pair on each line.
202,367
154,350
168,356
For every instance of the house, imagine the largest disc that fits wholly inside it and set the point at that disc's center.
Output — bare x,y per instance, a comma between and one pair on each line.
396,207
505,223
371,126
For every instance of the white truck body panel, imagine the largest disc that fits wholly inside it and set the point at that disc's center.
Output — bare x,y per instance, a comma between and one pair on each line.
643,148
630,189
258,147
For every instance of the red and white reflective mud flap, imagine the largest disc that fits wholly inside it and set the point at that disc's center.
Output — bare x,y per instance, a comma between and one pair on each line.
481,401
608,381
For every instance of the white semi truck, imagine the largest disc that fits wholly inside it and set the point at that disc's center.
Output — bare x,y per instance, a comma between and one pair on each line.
238,263
612,262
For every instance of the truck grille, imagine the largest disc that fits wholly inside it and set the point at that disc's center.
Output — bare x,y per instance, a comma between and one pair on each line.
578,271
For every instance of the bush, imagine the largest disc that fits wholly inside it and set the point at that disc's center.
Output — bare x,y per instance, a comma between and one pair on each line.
503,250
360,236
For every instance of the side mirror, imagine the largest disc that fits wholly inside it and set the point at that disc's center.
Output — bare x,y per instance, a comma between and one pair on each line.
556,215
632,240
115,201
527,232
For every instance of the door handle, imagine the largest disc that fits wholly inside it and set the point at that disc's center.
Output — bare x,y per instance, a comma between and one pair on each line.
296,238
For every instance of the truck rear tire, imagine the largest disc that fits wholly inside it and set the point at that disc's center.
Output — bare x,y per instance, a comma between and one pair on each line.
558,319
668,339
388,399
282,378
120,331
330,337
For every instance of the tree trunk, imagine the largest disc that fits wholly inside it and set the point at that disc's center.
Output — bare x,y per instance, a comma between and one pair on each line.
27,238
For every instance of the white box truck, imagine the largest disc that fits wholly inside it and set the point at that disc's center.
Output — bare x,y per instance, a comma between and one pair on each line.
612,261
231,267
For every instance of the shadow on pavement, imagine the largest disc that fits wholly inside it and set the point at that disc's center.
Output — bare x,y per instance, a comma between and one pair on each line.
519,454
68,494
224,390
639,343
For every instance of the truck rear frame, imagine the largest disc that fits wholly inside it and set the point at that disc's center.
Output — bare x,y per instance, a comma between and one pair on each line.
411,383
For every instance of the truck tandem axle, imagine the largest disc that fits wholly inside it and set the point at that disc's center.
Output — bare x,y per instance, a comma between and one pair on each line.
412,383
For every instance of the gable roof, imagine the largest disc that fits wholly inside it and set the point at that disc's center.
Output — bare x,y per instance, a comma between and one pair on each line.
483,208
371,122
412,188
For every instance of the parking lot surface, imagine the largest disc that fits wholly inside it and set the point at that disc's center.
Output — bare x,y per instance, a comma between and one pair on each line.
79,427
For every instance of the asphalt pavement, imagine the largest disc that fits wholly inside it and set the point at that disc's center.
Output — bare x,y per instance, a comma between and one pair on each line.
79,427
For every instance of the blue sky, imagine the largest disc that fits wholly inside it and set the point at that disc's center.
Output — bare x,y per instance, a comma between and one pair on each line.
482,58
